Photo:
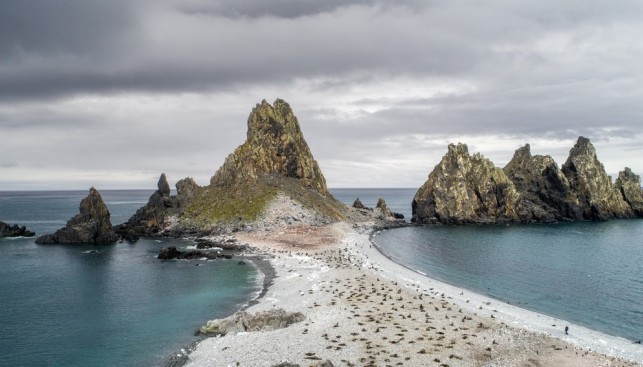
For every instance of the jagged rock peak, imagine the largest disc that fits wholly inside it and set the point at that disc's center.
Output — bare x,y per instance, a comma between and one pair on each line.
358,204
381,205
629,184
163,186
587,178
274,146
91,226
543,186
466,189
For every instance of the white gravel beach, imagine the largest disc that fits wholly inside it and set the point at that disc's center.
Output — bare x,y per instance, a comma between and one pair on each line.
362,309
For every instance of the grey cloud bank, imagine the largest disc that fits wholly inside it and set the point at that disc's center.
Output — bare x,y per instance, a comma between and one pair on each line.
111,94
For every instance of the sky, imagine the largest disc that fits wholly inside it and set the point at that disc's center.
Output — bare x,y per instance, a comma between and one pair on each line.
113,93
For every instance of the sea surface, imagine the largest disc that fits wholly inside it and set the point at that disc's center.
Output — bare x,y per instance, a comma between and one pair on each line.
64,305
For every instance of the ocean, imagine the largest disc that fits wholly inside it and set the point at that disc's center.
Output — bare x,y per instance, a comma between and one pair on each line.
103,306
71,306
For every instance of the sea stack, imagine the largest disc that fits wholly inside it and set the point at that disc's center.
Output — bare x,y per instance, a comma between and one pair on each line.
599,199
92,226
465,189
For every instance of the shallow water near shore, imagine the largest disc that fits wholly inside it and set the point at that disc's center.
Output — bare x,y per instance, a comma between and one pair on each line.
103,305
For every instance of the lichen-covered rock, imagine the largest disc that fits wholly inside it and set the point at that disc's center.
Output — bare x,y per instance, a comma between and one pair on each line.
243,321
7,230
545,191
466,189
597,196
274,145
629,185
91,226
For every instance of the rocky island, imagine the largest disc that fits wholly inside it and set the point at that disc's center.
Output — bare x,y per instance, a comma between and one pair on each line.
466,189
91,226
8,230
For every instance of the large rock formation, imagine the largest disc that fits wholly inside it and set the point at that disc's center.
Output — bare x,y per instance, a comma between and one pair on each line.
274,145
91,226
629,185
596,195
7,230
466,189
545,191
156,216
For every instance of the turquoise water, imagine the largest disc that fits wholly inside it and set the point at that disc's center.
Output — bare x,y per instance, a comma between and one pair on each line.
120,306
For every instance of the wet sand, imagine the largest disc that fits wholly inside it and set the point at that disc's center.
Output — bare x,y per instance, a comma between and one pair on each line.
362,309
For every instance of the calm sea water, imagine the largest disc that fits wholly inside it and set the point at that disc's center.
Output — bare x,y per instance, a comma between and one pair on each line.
120,306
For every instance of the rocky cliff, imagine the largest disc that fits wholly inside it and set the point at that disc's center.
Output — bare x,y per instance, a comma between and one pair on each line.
92,226
470,189
465,189
598,198
546,194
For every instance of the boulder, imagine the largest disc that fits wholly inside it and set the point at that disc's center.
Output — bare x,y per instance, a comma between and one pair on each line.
170,253
598,198
465,189
245,322
7,230
91,226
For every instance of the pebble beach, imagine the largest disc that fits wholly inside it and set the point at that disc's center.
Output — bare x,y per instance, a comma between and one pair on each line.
362,309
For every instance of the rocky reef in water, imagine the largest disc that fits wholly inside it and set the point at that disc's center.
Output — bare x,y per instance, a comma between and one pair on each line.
466,189
273,167
92,226
8,230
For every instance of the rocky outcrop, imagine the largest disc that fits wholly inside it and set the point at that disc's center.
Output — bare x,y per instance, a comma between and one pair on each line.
91,226
598,198
545,191
381,205
629,185
465,189
357,204
245,322
7,230
275,145
158,214
170,253
469,189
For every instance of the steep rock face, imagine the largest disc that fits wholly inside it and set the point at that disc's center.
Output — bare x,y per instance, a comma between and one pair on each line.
154,217
629,185
543,186
274,145
597,197
7,230
466,189
91,226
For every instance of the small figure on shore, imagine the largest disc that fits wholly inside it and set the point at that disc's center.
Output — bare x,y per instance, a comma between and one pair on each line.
566,330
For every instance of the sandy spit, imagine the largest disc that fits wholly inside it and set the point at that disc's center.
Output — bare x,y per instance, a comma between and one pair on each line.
362,309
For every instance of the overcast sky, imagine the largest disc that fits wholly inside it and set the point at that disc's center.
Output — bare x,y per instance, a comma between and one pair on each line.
112,93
